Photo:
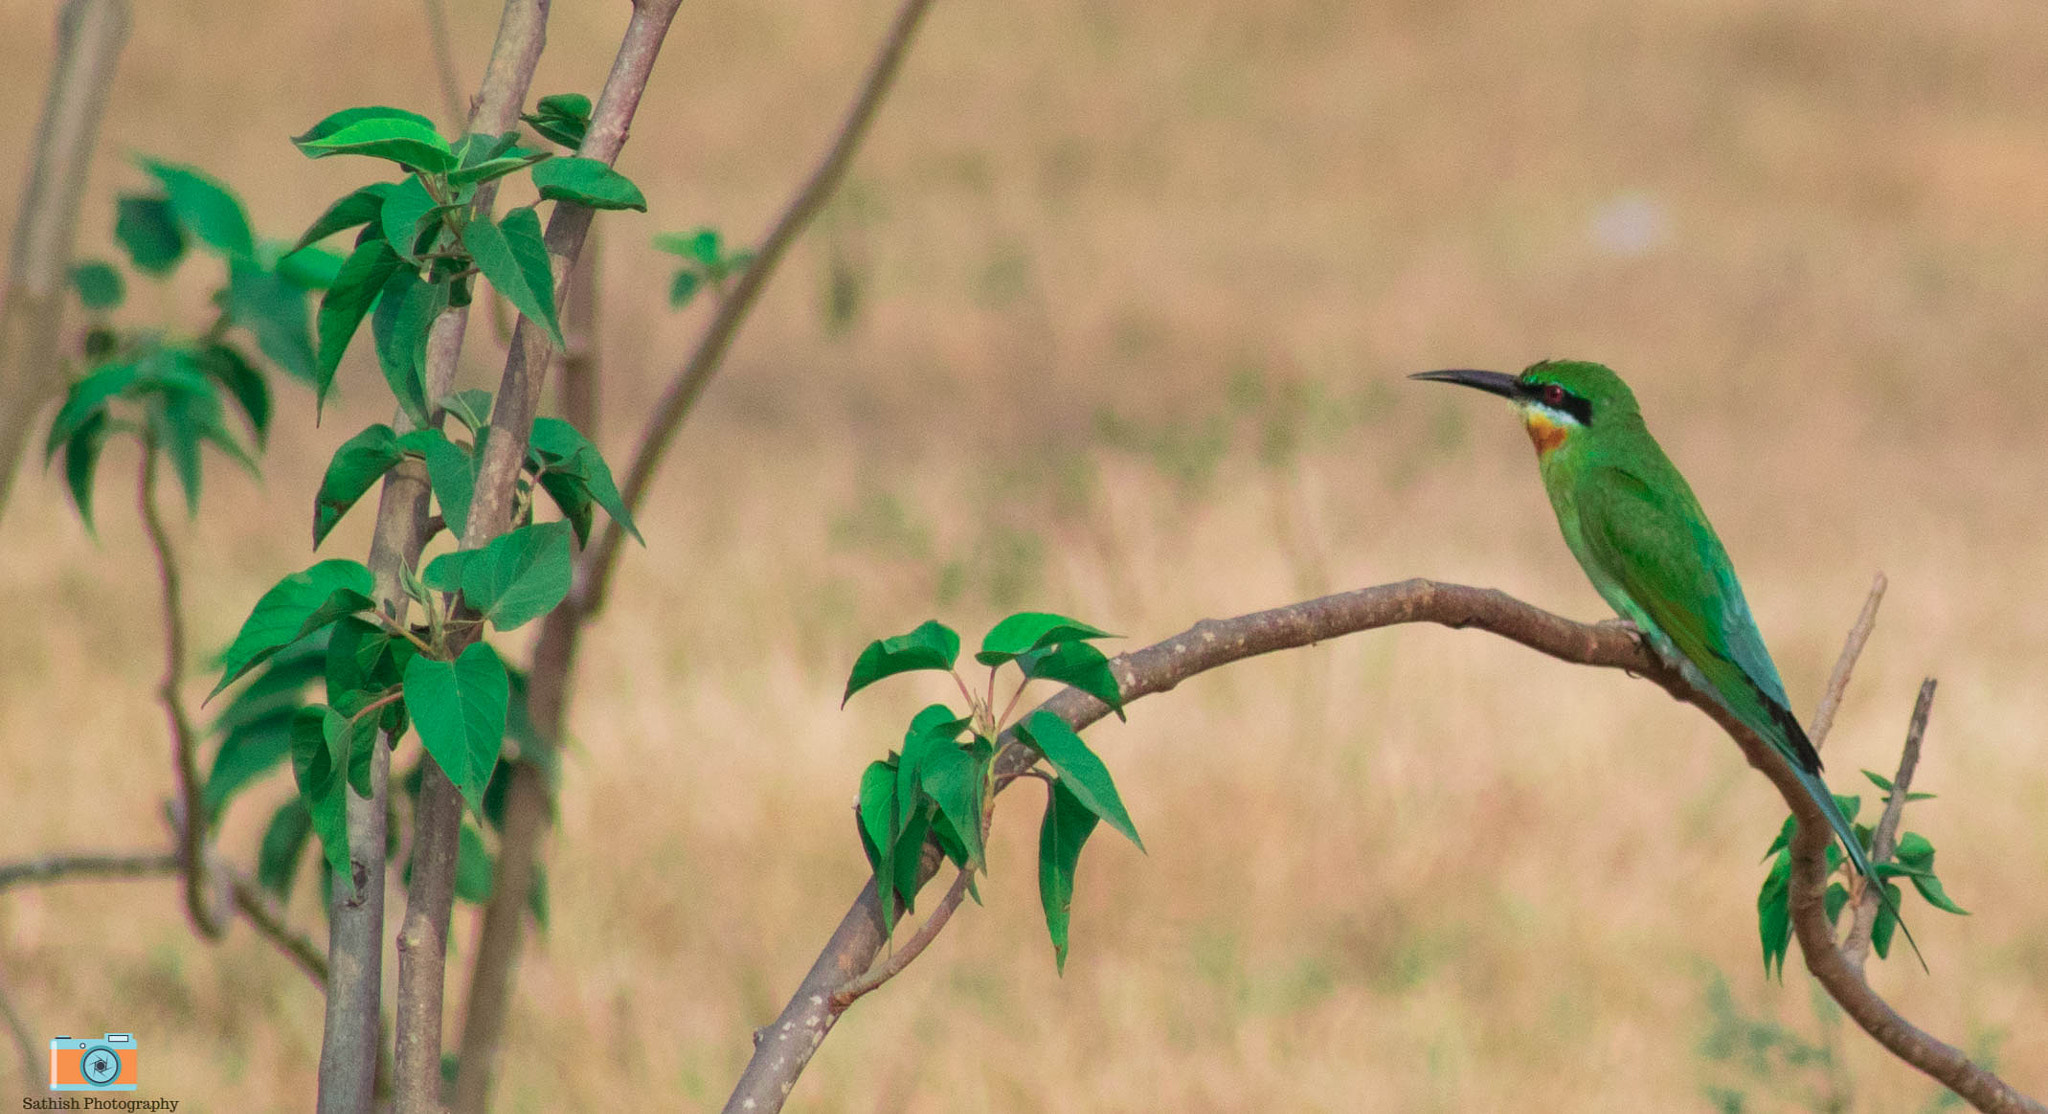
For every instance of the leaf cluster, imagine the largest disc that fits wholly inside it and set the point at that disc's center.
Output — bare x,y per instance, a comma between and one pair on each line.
940,785
1912,859
424,238
706,262
171,390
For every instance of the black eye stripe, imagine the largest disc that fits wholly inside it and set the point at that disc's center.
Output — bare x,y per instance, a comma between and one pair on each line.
1579,408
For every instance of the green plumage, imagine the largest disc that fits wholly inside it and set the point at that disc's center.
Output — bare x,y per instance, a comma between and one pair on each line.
1633,523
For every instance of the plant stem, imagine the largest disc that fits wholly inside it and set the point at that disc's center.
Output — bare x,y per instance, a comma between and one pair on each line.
192,821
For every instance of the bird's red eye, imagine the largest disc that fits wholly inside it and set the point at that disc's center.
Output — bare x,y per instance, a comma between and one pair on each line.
1553,395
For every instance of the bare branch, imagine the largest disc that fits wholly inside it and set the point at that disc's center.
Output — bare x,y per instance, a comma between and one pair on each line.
268,918
688,385
1852,648
90,34
1884,837
199,905
911,949
785,1046
88,865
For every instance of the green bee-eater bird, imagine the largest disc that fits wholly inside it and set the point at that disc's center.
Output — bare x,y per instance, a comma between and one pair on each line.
1639,533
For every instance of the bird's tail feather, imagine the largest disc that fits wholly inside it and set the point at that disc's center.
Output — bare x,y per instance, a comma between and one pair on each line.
1858,857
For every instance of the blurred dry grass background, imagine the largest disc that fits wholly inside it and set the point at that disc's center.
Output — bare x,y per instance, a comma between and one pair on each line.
1125,292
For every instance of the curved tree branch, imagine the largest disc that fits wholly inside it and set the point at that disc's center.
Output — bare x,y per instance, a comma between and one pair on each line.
785,1046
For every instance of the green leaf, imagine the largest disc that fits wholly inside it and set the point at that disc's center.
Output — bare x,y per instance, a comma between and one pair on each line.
274,310
225,365
207,207
309,268
278,687
458,708
1077,664
347,116
408,140
572,497
409,214
1032,630
357,465
295,607
1885,784
1083,773
450,472
704,245
879,827
87,398
363,276
519,576
909,855
99,286
560,447
471,407
933,731
149,231
933,645
1915,850
284,840
404,314
563,118
487,157
472,866
1837,896
1065,828
81,458
246,754
1784,840
1887,922
537,896
954,781
322,786
587,182
1930,888
359,207
1773,914
683,288
568,106
512,255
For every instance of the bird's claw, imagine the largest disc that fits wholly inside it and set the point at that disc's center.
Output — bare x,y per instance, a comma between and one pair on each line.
1625,626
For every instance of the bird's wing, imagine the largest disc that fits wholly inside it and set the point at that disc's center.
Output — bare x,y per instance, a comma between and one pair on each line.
1666,562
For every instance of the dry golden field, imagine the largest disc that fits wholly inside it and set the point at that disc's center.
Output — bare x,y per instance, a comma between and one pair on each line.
1136,285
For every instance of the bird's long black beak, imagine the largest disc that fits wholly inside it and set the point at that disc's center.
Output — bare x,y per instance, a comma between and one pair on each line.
1492,382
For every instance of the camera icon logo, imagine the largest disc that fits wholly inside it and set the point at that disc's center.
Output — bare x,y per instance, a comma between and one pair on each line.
93,1064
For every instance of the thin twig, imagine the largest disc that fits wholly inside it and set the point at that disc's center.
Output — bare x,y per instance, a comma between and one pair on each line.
787,1044
1852,648
269,920
912,948
689,383
184,738
444,60
88,865
1884,837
